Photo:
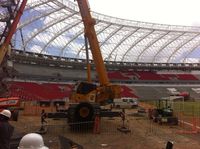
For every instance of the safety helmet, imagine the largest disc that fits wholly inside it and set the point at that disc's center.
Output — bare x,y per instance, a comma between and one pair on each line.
32,141
6,113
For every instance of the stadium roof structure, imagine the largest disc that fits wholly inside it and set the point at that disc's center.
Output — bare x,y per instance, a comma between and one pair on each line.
54,27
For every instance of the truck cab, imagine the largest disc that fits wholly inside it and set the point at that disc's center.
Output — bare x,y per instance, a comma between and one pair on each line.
125,102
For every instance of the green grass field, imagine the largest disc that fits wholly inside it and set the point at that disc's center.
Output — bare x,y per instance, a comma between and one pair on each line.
187,108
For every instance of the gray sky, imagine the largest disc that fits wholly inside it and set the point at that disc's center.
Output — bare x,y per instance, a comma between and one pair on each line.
175,12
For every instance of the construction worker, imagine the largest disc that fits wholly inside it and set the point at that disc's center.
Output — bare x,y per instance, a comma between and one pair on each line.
32,141
43,117
6,130
57,107
122,114
96,129
123,117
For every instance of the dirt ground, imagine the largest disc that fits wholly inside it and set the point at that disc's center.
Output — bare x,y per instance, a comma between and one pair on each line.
144,133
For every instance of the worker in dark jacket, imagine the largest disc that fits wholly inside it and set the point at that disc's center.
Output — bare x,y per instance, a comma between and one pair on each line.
6,130
43,117
43,121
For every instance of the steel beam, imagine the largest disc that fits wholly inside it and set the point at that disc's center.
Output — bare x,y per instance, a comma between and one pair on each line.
52,23
66,28
166,44
180,46
121,41
151,43
111,35
100,31
136,42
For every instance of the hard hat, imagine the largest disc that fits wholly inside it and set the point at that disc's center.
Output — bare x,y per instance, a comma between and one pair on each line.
6,113
32,141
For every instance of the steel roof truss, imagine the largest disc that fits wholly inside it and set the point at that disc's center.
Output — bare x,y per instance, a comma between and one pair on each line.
54,22
136,42
166,44
180,46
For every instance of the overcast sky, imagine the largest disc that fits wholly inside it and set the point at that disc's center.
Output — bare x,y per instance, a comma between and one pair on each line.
175,12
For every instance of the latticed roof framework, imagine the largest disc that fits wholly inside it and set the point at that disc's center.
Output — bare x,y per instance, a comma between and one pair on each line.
54,27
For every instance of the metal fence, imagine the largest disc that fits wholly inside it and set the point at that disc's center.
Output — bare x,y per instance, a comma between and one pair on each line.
141,130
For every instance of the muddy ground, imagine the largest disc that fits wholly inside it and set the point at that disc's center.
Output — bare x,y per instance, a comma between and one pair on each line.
144,134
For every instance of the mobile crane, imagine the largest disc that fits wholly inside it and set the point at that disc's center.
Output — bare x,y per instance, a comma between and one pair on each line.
4,48
9,103
88,96
5,45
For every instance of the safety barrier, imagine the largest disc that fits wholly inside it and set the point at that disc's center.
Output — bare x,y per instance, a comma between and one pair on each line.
189,117
32,108
190,124
105,130
78,132
36,110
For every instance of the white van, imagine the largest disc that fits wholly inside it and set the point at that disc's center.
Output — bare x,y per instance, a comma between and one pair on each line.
125,102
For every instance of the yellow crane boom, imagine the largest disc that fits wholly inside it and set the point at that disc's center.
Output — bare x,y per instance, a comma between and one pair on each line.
90,33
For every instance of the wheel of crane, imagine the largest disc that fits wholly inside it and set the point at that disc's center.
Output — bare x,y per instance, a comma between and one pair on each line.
84,112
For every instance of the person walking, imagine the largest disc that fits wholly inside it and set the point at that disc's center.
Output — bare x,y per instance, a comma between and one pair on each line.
43,121
6,130
43,117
